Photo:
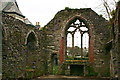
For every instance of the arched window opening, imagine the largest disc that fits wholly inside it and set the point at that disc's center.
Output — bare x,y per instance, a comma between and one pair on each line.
85,44
69,40
77,39
31,41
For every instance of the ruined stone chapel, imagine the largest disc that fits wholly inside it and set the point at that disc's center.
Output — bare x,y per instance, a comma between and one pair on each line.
29,52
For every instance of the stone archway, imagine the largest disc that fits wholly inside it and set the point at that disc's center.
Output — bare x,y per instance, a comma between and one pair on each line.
78,59
31,40
77,30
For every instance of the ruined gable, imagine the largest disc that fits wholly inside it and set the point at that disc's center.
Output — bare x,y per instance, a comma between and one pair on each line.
98,32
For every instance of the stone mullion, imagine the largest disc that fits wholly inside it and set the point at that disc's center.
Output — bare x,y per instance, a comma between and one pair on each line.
73,43
81,45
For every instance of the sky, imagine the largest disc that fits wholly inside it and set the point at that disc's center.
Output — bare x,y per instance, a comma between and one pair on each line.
44,10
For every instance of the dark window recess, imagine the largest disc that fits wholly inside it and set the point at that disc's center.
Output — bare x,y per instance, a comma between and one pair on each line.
31,41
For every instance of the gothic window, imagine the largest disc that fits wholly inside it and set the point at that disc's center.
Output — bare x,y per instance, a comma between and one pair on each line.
77,39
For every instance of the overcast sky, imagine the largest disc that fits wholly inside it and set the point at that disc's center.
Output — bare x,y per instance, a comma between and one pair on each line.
44,10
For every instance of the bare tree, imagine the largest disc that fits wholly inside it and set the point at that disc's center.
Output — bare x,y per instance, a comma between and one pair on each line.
109,6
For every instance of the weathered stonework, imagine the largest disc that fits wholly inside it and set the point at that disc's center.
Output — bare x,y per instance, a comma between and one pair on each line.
0,43
28,52
115,52
98,26
18,58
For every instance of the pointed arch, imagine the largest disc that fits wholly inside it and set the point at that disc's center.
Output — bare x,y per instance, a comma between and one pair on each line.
31,40
85,23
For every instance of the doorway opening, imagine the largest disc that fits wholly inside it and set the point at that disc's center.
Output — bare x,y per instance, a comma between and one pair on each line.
54,64
77,70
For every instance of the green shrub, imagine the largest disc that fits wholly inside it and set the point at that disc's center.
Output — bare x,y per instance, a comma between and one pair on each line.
67,8
55,70
91,71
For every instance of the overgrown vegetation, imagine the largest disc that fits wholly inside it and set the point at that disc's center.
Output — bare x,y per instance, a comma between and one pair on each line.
29,72
55,70
67,8
62,69
107,73
91,71
42,29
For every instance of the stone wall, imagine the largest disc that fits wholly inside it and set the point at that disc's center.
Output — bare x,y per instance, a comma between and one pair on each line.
28,52
0,44
55,30
21,59
115,52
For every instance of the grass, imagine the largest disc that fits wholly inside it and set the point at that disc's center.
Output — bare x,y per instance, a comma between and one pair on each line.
55,70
